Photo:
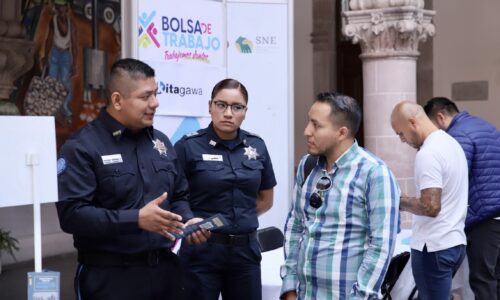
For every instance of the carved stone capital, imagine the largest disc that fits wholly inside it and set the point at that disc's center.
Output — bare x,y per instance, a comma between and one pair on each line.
16,58
388,32
373,4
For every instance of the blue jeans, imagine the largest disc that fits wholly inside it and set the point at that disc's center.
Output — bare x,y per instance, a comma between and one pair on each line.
433,271
60,64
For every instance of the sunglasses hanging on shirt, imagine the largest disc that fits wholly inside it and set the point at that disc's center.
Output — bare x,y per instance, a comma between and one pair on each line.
323,185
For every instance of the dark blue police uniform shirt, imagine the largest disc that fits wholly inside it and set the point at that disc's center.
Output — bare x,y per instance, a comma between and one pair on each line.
226,176
106,174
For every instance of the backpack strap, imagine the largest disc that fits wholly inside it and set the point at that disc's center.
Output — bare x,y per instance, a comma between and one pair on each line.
311,162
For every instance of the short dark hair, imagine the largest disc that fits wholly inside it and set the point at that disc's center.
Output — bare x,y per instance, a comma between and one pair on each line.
131,67
230,83
439,104
345,109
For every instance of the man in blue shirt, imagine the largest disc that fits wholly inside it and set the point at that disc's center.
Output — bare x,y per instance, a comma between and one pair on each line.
480,141
122,194
341,230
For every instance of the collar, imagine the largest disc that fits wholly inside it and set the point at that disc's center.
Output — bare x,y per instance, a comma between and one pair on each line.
345,159
213,137
455,119
117,129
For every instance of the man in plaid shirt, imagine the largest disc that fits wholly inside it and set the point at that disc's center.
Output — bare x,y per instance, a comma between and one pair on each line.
341,229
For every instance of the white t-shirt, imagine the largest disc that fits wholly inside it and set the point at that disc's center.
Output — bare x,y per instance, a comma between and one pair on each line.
441,163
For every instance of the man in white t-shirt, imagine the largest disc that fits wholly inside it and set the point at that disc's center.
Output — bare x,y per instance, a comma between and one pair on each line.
441,177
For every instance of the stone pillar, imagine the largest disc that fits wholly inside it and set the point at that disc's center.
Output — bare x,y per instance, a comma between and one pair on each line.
16,53
389,32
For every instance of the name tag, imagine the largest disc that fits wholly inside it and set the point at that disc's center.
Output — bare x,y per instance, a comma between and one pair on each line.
112,159
212,157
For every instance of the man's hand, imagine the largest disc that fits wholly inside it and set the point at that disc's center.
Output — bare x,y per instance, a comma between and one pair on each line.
199,236
290,295
155,219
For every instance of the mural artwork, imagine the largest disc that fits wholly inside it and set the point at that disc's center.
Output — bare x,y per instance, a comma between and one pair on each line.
71,59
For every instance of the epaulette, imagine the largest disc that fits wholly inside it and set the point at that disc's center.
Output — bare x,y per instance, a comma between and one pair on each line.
194,133
253,134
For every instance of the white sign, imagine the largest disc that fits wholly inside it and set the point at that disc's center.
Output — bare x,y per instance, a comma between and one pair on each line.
184,90
185,44
188,31
22,138
258,57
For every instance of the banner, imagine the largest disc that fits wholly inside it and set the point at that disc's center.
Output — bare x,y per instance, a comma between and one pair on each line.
184,89
189,33
185,44
258,57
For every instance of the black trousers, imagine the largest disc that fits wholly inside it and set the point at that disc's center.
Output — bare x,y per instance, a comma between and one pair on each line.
136,282
230,270
483,251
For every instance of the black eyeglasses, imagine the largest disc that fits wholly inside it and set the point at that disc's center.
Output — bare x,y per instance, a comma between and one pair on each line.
235,107
323,185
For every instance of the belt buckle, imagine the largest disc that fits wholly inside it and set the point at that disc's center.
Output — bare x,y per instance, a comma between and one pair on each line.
231,240
235,240
153,258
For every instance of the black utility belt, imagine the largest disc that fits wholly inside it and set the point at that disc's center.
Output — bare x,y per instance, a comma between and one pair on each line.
109,259
231,239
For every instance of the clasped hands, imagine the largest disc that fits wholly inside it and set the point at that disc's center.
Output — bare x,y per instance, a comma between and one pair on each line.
155,219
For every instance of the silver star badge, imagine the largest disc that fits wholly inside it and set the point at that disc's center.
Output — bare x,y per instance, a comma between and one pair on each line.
251,152
160,147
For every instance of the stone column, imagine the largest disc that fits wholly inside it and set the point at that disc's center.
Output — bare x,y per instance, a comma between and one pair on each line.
16,53
389,32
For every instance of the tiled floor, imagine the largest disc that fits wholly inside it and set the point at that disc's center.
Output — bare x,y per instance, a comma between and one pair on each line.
13,280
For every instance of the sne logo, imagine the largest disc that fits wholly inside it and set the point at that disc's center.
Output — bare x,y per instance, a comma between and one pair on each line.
244,45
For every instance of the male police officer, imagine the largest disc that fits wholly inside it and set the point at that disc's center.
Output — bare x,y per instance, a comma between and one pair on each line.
115,175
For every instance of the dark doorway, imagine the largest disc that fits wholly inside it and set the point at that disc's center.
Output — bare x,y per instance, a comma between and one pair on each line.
349,67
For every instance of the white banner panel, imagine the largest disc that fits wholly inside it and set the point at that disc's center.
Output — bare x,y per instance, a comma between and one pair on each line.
188,31
183,89
184,42
22,136
258,57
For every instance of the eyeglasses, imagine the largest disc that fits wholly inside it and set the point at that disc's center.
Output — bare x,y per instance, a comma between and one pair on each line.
323,185
236,108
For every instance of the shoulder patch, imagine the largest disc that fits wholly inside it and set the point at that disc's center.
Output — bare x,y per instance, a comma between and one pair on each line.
61,165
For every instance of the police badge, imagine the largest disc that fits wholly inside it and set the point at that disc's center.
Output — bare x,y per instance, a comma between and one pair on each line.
251,152
160,147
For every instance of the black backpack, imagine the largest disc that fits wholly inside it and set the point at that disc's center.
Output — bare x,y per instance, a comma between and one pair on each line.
311,162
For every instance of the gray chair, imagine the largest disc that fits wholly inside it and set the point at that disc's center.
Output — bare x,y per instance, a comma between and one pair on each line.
270,238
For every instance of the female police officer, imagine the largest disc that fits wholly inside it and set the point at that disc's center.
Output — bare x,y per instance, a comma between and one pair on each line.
229,172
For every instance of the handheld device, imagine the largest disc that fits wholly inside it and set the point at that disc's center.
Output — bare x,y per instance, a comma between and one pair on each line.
211,223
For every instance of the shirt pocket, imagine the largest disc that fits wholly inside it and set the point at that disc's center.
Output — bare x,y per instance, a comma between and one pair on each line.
165,175
253,164
208,166
115,183
210,178
251,174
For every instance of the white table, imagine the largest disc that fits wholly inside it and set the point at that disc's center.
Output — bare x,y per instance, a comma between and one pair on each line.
272,261
270,273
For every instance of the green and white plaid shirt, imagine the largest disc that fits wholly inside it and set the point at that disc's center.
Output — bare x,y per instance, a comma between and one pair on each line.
342,249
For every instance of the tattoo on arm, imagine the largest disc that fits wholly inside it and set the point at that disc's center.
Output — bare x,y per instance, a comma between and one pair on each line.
428,205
